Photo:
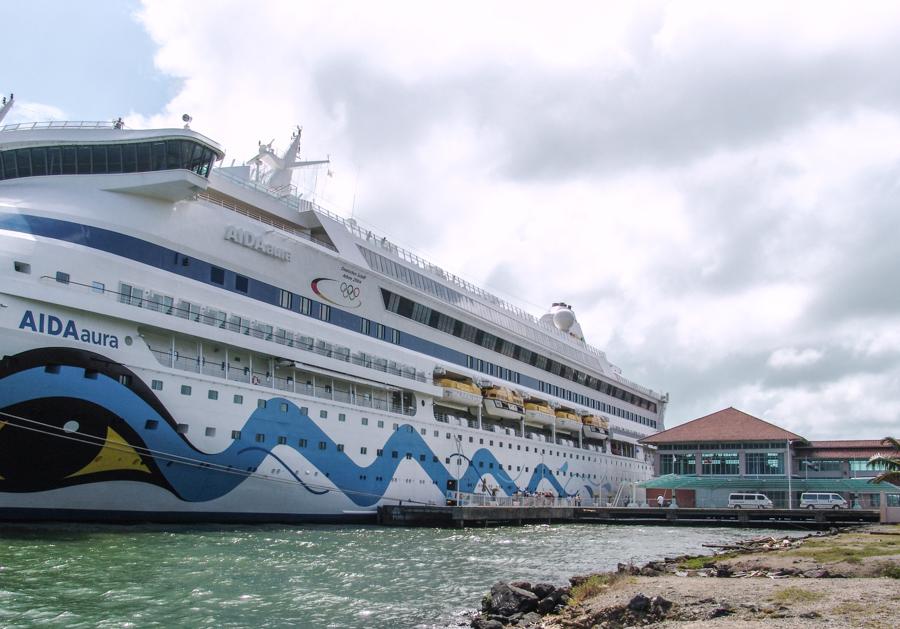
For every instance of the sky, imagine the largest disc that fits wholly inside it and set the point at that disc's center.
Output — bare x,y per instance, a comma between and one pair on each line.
712,186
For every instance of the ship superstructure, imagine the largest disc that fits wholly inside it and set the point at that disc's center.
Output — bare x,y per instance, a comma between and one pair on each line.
181,341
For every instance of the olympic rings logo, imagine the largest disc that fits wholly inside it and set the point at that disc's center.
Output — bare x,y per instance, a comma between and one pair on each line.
349,291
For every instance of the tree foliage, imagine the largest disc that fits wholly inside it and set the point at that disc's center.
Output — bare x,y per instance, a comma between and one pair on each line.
889,461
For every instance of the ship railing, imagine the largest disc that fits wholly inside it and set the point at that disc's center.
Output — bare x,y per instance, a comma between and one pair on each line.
59,124
262,218
563,342
464,499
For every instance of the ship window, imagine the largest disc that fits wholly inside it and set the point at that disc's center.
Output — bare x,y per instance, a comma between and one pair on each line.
185,389
322,445
83,164
38,161
129,158
143,157
282,440
156,385
8,164
241,283
212,394
363,450
236,435
381,423
238,399
342,417
151,424
114,158
181,429
99,160
22,267
23,161
324,312
158,156
260,437
365,421
340,447
323,414
62,277
304,410
260,403
125,379
302,443
210,431
217,275
98,287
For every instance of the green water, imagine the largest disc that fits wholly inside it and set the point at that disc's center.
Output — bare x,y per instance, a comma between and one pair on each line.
311,576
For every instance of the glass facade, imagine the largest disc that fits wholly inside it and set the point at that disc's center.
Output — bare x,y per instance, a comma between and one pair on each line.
762,463
678,464
104,159
721,463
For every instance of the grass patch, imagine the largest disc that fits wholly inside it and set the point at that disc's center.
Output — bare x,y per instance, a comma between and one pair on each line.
596,584
695,563
793,594
848,549
892,571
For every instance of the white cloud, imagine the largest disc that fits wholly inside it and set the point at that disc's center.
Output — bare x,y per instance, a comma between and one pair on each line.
712,186
789,357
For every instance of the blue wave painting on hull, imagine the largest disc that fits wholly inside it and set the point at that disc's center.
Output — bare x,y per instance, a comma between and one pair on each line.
196,483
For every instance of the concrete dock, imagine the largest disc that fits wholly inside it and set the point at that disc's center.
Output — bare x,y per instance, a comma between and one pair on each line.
476,516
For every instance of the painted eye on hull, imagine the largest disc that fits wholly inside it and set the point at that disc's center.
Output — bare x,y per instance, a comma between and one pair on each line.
55,441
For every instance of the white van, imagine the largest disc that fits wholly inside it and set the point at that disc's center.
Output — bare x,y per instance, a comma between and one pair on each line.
749,501
822,501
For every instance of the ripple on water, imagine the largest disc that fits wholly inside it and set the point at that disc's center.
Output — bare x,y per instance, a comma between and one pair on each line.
306,576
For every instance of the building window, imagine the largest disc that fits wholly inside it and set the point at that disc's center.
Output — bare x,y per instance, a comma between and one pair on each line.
760,463
721,463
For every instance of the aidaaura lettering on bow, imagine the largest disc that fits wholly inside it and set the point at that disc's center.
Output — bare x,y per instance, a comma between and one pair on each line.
54,326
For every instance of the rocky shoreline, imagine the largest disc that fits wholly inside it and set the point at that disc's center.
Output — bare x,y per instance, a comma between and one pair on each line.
849,578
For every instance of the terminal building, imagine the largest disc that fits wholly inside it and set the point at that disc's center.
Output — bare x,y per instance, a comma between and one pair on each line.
701,462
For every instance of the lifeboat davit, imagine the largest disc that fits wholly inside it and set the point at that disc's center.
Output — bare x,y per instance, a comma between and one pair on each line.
502,403
566,419
539,412
459,392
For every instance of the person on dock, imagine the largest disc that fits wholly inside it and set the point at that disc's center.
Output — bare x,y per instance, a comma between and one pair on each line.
660,500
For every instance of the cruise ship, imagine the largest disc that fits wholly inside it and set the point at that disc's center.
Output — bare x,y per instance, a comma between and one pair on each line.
187,342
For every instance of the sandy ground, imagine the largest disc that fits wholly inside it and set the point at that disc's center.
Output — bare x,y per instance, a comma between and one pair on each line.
853,594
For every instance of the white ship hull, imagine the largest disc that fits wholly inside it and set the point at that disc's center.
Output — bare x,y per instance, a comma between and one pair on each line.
152,368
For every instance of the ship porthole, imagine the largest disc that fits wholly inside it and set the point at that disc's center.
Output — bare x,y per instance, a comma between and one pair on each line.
70,426
128,340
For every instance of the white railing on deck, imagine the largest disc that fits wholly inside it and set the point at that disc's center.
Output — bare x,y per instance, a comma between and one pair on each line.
59,124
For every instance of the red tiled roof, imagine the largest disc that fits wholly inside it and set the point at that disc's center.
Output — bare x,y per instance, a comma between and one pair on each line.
846,449
728,424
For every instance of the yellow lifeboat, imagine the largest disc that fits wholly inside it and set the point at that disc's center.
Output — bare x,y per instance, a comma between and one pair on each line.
459,391
538,412
503,403
595,426
566,419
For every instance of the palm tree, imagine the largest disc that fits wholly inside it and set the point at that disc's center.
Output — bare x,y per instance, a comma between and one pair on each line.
889,462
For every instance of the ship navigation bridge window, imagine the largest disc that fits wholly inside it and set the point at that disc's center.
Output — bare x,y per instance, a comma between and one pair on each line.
104,159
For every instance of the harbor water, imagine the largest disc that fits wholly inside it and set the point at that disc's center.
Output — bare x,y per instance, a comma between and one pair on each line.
309,576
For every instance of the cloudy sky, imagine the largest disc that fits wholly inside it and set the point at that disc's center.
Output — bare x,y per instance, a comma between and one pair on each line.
713,186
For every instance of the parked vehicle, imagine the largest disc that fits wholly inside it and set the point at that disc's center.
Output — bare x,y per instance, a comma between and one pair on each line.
749,501
822,501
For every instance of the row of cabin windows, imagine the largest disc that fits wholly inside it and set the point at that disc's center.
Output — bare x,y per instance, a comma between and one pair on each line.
423,314
103,159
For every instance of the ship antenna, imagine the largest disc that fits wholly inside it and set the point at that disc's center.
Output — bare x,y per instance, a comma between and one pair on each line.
6,106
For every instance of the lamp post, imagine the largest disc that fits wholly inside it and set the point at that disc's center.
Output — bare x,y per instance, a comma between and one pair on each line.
787,456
